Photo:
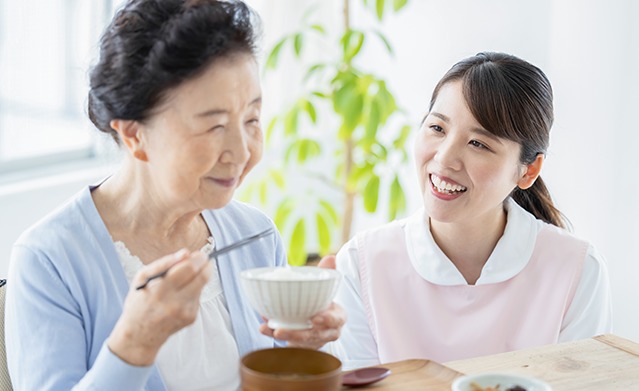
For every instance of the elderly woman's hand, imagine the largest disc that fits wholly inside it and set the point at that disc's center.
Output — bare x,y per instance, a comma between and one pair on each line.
326,324
151,315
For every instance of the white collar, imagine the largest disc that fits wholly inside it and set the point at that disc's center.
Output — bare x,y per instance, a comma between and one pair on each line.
510,256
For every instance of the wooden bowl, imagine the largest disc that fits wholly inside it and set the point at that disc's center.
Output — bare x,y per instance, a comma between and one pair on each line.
290,369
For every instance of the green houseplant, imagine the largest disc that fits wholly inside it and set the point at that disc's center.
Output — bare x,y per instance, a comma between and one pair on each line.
343,138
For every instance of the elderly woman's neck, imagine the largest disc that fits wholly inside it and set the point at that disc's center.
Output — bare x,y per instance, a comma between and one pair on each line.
127,202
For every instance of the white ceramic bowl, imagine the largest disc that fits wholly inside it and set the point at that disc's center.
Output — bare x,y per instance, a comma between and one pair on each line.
504,380
289,297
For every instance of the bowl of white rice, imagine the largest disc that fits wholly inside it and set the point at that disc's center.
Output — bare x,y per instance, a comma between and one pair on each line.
289,296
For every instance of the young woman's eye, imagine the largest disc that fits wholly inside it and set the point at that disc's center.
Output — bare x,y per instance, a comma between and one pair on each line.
437,128
478,144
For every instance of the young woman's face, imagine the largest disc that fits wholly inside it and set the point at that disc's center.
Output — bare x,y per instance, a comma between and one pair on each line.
465,172
207,135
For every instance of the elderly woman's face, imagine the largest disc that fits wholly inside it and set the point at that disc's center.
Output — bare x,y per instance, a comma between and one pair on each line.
207,135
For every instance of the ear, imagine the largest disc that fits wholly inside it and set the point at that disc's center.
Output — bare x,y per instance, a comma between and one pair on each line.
130,134
532,172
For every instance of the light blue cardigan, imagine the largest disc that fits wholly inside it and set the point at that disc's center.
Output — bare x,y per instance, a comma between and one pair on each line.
66,288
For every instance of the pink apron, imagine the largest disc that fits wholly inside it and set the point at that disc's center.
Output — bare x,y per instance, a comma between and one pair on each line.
411,317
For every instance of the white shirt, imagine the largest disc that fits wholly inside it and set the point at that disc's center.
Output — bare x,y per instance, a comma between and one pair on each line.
589,313
203,355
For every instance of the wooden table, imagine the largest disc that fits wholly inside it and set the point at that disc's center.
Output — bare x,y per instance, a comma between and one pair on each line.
602,363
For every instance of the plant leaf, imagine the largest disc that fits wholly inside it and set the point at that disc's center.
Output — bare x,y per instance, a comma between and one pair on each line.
282,213
270,128
397,199
329,210
292,147
353,113
319,28
399,4
277,178
307,149
297,244
386,43
348,103
310,110
353,45
400,141
247,192
379,9
385,101
373,121
271,61
371,194
320,94
345,42
312,70
360,173
302,151
263,191
344,133
379,151
291,120
298,42
323,234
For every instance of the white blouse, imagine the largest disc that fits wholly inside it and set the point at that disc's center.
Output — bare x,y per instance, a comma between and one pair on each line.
203,355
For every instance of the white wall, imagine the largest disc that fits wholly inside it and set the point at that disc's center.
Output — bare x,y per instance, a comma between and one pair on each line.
24,203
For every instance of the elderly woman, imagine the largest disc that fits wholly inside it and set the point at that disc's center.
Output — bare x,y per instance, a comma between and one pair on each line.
177,87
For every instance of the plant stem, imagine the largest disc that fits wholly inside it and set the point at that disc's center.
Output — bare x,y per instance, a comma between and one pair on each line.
349,199
347,16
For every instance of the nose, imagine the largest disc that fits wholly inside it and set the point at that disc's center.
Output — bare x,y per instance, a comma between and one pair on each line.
236,146
449,154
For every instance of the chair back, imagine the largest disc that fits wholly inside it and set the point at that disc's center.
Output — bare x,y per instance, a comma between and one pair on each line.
5,381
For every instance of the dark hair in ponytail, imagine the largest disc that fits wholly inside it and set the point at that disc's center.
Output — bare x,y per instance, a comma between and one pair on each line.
536,200
512,99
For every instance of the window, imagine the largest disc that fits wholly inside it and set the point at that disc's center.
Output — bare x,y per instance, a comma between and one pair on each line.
46,48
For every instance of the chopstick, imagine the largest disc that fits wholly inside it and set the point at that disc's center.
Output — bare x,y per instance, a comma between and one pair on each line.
215,253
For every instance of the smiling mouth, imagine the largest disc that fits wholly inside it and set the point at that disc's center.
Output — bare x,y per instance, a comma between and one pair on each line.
441,186
226,182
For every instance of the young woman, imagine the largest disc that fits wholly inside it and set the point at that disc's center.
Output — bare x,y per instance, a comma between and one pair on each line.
177,87
486,266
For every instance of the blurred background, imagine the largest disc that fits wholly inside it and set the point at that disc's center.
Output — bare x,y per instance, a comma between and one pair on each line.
588,48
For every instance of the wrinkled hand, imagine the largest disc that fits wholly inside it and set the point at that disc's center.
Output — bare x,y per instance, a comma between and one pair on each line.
327,324
151,315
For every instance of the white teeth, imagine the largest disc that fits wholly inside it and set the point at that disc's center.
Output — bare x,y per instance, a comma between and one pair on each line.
445,187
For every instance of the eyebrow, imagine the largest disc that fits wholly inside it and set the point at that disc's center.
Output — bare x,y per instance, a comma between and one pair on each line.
211,112
478,130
